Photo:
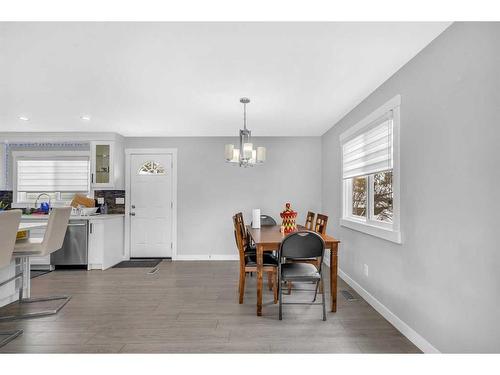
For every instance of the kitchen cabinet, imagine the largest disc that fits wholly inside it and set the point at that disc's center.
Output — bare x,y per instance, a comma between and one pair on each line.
105,242
102,173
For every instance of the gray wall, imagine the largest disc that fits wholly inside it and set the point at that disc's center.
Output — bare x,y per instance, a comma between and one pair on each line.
210,191
443,281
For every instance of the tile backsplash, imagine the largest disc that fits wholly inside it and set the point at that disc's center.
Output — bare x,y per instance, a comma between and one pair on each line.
6,197
110,199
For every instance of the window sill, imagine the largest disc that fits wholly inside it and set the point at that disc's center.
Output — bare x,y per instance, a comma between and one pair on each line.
386,234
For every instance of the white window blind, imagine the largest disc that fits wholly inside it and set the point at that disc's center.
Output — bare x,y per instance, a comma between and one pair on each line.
369,152
35,175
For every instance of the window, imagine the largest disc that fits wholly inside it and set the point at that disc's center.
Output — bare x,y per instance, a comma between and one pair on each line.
152,168
60,177
370,174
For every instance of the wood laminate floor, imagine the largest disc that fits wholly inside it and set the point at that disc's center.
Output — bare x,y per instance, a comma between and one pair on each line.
191,307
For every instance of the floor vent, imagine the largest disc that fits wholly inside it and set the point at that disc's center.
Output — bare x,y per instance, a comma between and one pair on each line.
348,296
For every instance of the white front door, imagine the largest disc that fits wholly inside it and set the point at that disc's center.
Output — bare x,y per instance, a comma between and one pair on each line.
151,205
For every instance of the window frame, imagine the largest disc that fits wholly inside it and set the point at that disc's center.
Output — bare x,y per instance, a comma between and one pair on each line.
47,155
369,225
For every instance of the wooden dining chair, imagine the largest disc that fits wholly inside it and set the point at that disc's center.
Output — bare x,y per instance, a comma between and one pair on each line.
309,220
249,247
248,261
320,225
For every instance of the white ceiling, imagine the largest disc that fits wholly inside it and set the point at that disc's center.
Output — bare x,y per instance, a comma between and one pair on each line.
185,79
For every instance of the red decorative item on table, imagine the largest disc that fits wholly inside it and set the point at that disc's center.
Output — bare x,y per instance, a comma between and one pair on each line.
289,217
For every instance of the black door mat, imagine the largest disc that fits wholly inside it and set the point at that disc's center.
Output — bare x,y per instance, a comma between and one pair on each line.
36,273
139,263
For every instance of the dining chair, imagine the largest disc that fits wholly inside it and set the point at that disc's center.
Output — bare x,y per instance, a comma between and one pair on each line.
35,247
248,262
266,221
320,225
309,220
250,247
302,244
9,224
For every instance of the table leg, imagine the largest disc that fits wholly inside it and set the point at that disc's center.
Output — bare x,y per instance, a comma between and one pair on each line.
333,275
260,261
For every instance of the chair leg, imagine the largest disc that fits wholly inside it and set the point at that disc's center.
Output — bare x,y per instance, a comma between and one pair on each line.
280,298
241,287
270,280
323,300
275,286
36,314
318,264
316,290
11,335
33,314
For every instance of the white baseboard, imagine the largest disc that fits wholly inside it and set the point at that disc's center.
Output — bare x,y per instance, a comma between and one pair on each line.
207,257
401,326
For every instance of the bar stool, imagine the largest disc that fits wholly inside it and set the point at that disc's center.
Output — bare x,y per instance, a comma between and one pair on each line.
9,224
52,241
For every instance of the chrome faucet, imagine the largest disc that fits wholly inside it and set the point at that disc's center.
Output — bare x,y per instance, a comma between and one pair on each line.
39,195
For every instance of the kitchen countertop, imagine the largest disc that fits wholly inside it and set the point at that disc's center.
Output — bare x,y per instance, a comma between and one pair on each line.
73,217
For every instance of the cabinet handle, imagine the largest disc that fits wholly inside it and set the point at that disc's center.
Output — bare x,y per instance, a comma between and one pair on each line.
132,214
92,178
91,228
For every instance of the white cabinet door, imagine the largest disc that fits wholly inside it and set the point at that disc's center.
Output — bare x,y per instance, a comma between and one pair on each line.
96,244
102,173
105,243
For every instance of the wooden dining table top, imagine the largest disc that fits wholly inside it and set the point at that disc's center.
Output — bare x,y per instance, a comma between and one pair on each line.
271,235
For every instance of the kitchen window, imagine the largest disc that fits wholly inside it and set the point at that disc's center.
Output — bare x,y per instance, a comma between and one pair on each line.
60,176
370,174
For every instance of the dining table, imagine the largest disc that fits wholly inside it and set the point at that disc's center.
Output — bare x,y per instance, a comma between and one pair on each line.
268,238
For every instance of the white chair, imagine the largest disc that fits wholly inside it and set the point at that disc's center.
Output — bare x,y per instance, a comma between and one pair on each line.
9,224
52,241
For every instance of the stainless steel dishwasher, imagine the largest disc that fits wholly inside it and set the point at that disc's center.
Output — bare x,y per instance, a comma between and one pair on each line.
74,252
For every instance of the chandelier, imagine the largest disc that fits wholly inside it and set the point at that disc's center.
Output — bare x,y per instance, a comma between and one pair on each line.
246,155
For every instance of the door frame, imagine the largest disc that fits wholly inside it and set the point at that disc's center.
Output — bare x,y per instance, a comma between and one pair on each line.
146,151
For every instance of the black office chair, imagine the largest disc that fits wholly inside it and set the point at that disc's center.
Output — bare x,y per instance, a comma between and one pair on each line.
266,221
302,244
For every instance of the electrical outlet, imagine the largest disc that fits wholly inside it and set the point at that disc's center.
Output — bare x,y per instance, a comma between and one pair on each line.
100,200
365,269
119,200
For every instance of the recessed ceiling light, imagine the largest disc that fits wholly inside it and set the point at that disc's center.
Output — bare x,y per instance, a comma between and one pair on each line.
85,117
23,118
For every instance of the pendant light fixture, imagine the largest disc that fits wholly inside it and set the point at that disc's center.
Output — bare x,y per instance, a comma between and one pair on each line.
245,155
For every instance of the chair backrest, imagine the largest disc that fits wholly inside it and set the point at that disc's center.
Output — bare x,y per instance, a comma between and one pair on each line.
309,220
240,236
266,220
9,225
56,230
320,225
302,244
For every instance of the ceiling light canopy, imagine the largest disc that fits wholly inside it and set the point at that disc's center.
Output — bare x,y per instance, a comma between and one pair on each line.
246,155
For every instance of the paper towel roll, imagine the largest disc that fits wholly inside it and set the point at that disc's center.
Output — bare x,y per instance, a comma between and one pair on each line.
256,218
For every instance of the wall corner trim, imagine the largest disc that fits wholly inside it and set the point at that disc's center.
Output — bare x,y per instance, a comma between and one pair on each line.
401,326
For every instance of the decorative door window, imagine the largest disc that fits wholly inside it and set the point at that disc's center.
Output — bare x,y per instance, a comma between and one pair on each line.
152,168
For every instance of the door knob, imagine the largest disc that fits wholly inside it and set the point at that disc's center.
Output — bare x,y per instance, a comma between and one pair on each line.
132,214
133,206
